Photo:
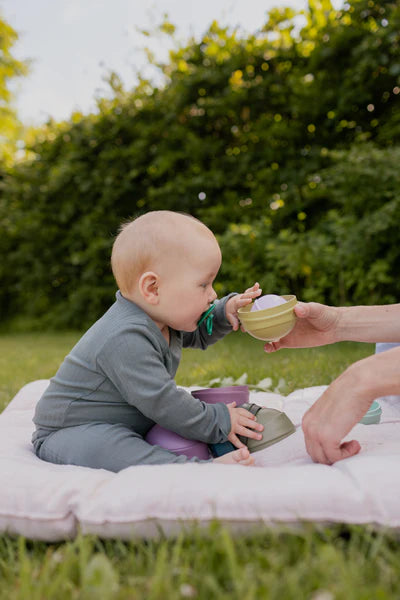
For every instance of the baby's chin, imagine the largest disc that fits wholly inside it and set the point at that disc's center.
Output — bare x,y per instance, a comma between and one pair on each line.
189,328
186,327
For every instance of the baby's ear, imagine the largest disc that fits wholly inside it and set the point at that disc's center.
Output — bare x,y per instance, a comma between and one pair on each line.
148,287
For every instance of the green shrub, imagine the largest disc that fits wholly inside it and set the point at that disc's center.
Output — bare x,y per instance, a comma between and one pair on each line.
349,253
261,136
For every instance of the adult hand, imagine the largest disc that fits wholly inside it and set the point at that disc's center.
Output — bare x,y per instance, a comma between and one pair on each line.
330,419
315,326
345,402
243,422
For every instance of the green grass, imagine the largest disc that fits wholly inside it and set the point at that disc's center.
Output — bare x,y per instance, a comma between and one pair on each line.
319,564
239,353
26,357
311,562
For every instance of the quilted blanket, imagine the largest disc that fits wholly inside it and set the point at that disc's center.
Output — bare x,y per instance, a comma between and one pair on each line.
53,502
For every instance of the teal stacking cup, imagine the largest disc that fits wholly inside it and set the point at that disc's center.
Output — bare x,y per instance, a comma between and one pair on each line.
373,416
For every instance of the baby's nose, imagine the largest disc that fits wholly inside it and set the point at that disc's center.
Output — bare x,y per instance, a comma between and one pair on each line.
213,296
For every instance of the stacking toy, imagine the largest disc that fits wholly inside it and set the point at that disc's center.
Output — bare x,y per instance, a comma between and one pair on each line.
158,436
190,448
227,394
373,415
272,323
233,393
277,426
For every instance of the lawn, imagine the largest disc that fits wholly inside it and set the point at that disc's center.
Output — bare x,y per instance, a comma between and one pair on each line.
26,357
311,562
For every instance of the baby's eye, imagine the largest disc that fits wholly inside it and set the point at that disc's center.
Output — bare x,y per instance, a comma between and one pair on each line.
204,285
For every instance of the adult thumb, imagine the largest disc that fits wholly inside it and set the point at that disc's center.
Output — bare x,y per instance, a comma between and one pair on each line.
348,449
301,309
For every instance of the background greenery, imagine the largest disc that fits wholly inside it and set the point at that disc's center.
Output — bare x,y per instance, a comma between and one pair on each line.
28,356
285,142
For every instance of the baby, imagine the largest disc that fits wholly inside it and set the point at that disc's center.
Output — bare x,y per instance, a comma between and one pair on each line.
118,381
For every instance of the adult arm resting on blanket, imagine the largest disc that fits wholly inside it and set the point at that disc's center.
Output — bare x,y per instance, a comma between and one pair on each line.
348,398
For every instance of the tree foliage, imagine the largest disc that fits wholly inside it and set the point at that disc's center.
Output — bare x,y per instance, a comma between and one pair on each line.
10,68
285,142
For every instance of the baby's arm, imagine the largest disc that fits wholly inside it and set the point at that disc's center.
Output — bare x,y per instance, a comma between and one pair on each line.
136,366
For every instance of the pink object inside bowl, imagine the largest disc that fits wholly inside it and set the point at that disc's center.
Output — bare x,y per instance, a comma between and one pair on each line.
267,301
158,436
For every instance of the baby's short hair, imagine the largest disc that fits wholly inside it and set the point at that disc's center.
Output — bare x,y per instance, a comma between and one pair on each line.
143,242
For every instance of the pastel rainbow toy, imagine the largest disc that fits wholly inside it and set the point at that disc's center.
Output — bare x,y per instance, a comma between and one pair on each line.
191,448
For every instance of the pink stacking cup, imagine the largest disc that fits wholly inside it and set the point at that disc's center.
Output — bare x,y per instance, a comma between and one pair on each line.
158,436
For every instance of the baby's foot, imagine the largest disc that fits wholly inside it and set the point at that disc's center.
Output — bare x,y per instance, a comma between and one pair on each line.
237,457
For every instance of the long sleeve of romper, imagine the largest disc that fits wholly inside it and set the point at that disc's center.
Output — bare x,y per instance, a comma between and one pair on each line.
136,362
122,371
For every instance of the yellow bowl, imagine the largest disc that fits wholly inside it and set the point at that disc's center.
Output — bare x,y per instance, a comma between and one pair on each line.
269,324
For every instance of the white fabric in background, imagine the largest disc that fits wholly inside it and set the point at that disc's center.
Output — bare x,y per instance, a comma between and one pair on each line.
53,502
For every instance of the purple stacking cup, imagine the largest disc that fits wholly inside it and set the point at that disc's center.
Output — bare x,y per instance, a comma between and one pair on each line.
158,436
232,393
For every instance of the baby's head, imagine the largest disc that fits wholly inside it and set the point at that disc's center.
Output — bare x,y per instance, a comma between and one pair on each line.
166,263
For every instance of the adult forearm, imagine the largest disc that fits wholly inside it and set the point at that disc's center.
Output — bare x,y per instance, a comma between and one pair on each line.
378,375
345,402
368,323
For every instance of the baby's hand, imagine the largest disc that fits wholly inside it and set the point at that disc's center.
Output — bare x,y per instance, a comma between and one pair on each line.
242,422
231,307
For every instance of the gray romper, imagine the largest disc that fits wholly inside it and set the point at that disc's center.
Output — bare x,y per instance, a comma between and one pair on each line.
116,383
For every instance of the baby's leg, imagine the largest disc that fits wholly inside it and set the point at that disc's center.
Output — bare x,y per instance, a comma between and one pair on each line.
103,446
237,457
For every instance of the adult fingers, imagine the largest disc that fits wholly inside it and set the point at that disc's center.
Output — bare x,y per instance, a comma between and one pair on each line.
345,450
302,309
328,452
316,451
271,347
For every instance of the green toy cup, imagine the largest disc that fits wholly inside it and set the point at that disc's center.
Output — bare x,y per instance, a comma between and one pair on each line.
269,324
277,426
